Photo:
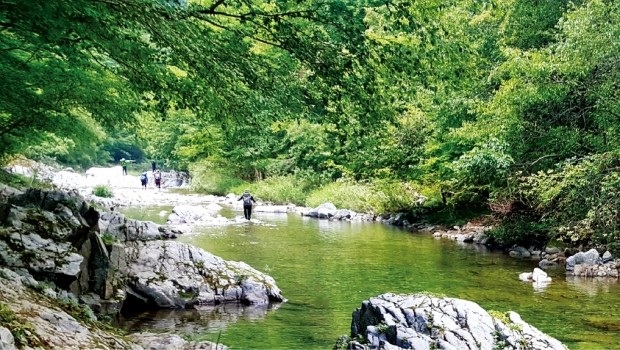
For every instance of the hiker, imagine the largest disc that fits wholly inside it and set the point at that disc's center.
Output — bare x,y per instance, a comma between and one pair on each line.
124,165
247,203
144,179
153,166
157,176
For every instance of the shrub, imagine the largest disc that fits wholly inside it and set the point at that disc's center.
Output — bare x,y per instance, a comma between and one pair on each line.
103,191
519,230
579,199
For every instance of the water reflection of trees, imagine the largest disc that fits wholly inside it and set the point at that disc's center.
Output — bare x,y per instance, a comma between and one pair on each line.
202,319
591,285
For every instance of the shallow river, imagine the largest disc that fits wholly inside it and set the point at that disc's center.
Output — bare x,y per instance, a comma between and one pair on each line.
326,269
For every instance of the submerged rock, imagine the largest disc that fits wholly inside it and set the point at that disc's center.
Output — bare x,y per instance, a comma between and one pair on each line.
419,322
193,214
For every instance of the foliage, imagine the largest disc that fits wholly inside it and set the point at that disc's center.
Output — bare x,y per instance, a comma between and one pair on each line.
103,191
208,177
519,230
579,199
354,98
108,238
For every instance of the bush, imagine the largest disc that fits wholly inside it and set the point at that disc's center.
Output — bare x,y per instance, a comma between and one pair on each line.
103,191
579,199
521,231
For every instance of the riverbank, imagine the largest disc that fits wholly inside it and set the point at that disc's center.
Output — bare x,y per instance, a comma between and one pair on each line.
190,210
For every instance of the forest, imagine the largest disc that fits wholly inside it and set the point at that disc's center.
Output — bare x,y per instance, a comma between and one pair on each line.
441,109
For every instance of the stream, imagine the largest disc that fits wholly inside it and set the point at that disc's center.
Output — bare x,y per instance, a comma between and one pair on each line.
327,268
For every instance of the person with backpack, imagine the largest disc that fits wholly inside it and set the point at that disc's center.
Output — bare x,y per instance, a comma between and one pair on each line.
247,203
144,180
157,177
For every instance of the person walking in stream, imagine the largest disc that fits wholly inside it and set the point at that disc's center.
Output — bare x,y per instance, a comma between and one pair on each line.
247,204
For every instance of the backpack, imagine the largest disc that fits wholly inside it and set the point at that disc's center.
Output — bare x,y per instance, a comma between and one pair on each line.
247,200
143,177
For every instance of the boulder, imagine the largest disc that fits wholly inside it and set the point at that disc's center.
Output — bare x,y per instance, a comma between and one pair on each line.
419,321
170,274
46,326
519,252
118,227
589,258
323,211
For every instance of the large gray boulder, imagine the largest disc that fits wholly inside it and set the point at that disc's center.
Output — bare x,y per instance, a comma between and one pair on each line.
117,226
323,211
171,274
423,322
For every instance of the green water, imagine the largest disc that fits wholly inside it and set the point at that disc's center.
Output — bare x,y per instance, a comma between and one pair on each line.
326,269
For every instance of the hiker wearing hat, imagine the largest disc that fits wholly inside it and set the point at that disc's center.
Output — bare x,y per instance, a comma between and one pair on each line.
247,203
124,165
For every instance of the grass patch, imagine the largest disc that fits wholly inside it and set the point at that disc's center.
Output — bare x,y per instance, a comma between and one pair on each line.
377,197
349,195
23,332
21,181
278,189
103,191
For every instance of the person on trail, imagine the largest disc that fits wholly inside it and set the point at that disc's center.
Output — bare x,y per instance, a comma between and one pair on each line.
247,203
144,179
124,166
153,166
157,176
